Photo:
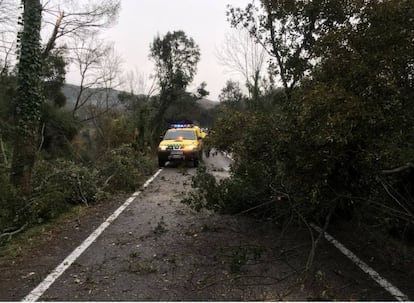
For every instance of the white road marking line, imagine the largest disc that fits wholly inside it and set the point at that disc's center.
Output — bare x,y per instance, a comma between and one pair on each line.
36,293
152,178
394,291
135,194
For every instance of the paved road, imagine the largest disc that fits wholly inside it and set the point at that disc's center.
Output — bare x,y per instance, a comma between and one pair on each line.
160,249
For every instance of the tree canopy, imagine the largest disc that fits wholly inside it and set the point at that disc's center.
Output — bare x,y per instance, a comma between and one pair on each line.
175,56
335,141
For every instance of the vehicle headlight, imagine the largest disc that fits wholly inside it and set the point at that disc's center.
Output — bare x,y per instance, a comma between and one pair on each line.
162,147
190,147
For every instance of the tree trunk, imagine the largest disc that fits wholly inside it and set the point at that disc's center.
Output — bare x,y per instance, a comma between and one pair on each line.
28,98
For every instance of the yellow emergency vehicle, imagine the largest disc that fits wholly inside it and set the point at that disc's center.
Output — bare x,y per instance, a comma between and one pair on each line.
181,142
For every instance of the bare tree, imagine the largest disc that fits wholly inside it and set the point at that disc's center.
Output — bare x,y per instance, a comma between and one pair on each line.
99,69
61,20
87,57
111,68
103,110
140,83
241,54
110,71
6,51
9,13
71,19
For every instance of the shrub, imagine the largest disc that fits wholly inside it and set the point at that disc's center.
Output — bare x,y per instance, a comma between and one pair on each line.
325,153
48,205
59,184
13,213
124,168
224,196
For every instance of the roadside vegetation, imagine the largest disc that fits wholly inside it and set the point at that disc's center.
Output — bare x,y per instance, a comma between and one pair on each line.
64,146
324,133
320,131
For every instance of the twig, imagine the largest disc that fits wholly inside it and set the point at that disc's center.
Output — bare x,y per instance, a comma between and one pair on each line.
107,180
3,152
285,227
84,200
286,260
381,206
398,169
395,199
312,251
42,136
10,234
254,207
325,227
242,277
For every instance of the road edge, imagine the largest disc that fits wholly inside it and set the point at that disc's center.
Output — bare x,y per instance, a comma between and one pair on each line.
39,290
394,291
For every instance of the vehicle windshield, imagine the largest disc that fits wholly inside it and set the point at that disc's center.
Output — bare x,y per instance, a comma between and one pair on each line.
180,134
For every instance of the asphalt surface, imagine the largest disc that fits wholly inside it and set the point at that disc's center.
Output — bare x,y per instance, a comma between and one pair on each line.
159,249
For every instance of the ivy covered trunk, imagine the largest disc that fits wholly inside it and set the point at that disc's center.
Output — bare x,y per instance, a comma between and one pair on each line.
28,97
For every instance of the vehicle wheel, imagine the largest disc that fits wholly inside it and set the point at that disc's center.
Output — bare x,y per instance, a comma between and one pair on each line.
195,163
161,163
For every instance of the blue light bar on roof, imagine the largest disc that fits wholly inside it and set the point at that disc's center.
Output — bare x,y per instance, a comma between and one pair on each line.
181,125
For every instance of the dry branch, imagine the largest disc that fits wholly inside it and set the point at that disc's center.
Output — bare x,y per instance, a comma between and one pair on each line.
10,234
407,166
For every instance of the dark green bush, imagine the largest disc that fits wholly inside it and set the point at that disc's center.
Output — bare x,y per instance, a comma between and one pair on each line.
13,212
321,154
124,168
224,196
207,192
48,205
340,141
59,184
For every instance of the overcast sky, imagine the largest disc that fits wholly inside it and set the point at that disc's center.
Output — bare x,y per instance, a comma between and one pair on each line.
203,20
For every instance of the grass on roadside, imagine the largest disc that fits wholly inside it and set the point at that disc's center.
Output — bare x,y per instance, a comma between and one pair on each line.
36,235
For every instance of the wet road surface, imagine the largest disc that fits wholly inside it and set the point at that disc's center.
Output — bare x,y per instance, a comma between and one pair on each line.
159,249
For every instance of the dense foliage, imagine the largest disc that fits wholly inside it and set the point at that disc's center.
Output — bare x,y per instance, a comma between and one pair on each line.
337,144
175,56
74,160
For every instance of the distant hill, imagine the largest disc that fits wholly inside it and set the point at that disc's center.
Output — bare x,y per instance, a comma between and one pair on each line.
71,91
207,104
